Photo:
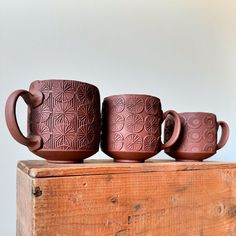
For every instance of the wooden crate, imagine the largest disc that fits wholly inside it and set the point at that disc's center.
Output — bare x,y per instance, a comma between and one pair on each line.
104,198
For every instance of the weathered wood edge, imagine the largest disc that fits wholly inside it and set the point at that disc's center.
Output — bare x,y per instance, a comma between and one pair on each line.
41,168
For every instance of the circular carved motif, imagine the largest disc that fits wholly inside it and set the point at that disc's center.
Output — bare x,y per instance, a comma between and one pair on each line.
86,114
63,91
117,104
194,136
209,121
45,88
85,93
210,136
133,142
134,123
117,122
115,141
135,105
150,143
152,125
194,122
44,132
209,148
152,106
63,113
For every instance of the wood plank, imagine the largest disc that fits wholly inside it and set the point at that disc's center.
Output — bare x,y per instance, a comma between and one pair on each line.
24,222
163,203
41,168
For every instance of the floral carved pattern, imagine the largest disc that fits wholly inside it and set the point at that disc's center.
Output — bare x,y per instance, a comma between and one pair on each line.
134,123
85,94
63,112
117,104
133,142
64,135
63,91
135,105
86,114
69,117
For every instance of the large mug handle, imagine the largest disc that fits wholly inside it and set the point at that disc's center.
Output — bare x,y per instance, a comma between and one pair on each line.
224,135
177,129
32,99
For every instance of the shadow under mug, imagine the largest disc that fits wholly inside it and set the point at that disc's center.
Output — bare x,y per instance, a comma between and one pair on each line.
63,119
131,127
198,137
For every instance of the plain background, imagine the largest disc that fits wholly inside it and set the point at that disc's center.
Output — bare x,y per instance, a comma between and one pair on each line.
182,51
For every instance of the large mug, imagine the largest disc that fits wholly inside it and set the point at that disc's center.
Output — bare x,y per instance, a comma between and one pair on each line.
63,119
198,137
131,127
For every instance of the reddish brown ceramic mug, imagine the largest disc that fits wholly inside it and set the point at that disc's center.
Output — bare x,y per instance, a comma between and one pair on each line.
131,127
63,119
198,137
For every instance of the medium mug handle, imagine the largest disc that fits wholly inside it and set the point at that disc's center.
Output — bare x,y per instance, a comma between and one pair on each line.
224,135
32,99
176,131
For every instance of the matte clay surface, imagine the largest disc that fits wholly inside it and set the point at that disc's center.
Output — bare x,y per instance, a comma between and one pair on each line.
198,137
131,127
66,120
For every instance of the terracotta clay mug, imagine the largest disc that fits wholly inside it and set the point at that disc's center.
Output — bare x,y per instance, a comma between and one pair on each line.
131,127
63,119
198,137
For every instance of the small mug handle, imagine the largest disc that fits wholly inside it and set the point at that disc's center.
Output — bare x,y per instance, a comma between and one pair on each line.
32,99
176,131
224,136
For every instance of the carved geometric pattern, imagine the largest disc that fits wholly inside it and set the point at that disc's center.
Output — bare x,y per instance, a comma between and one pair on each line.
134,123
135,105
69,117
150,143
198,133
133,142
152,124
86,114
63,91
118,104
117,122
152,105
63,112
116,141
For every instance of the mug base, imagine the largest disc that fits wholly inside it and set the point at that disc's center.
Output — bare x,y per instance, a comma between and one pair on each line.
190,156
128,161
65,162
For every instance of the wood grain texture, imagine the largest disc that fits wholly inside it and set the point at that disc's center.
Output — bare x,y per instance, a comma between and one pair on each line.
163,202
41,168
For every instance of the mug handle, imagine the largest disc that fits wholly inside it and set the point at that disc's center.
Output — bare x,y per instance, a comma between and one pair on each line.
176,131
32,99
224,135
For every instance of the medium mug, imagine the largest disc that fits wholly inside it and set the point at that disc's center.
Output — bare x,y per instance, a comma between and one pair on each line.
63,119
131,127
198,137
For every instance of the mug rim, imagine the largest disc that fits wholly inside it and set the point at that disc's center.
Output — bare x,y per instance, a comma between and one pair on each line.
131,95
196,113
58,80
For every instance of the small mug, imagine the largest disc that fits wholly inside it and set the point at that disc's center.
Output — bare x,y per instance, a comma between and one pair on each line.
63,119
198,137
131,127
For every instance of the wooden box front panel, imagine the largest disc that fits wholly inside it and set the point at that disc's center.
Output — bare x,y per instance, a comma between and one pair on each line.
181,202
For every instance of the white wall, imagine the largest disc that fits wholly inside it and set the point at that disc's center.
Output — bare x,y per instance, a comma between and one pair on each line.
182,51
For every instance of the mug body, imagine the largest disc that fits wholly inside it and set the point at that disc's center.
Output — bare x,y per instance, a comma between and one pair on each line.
131,127
68,120
198,136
